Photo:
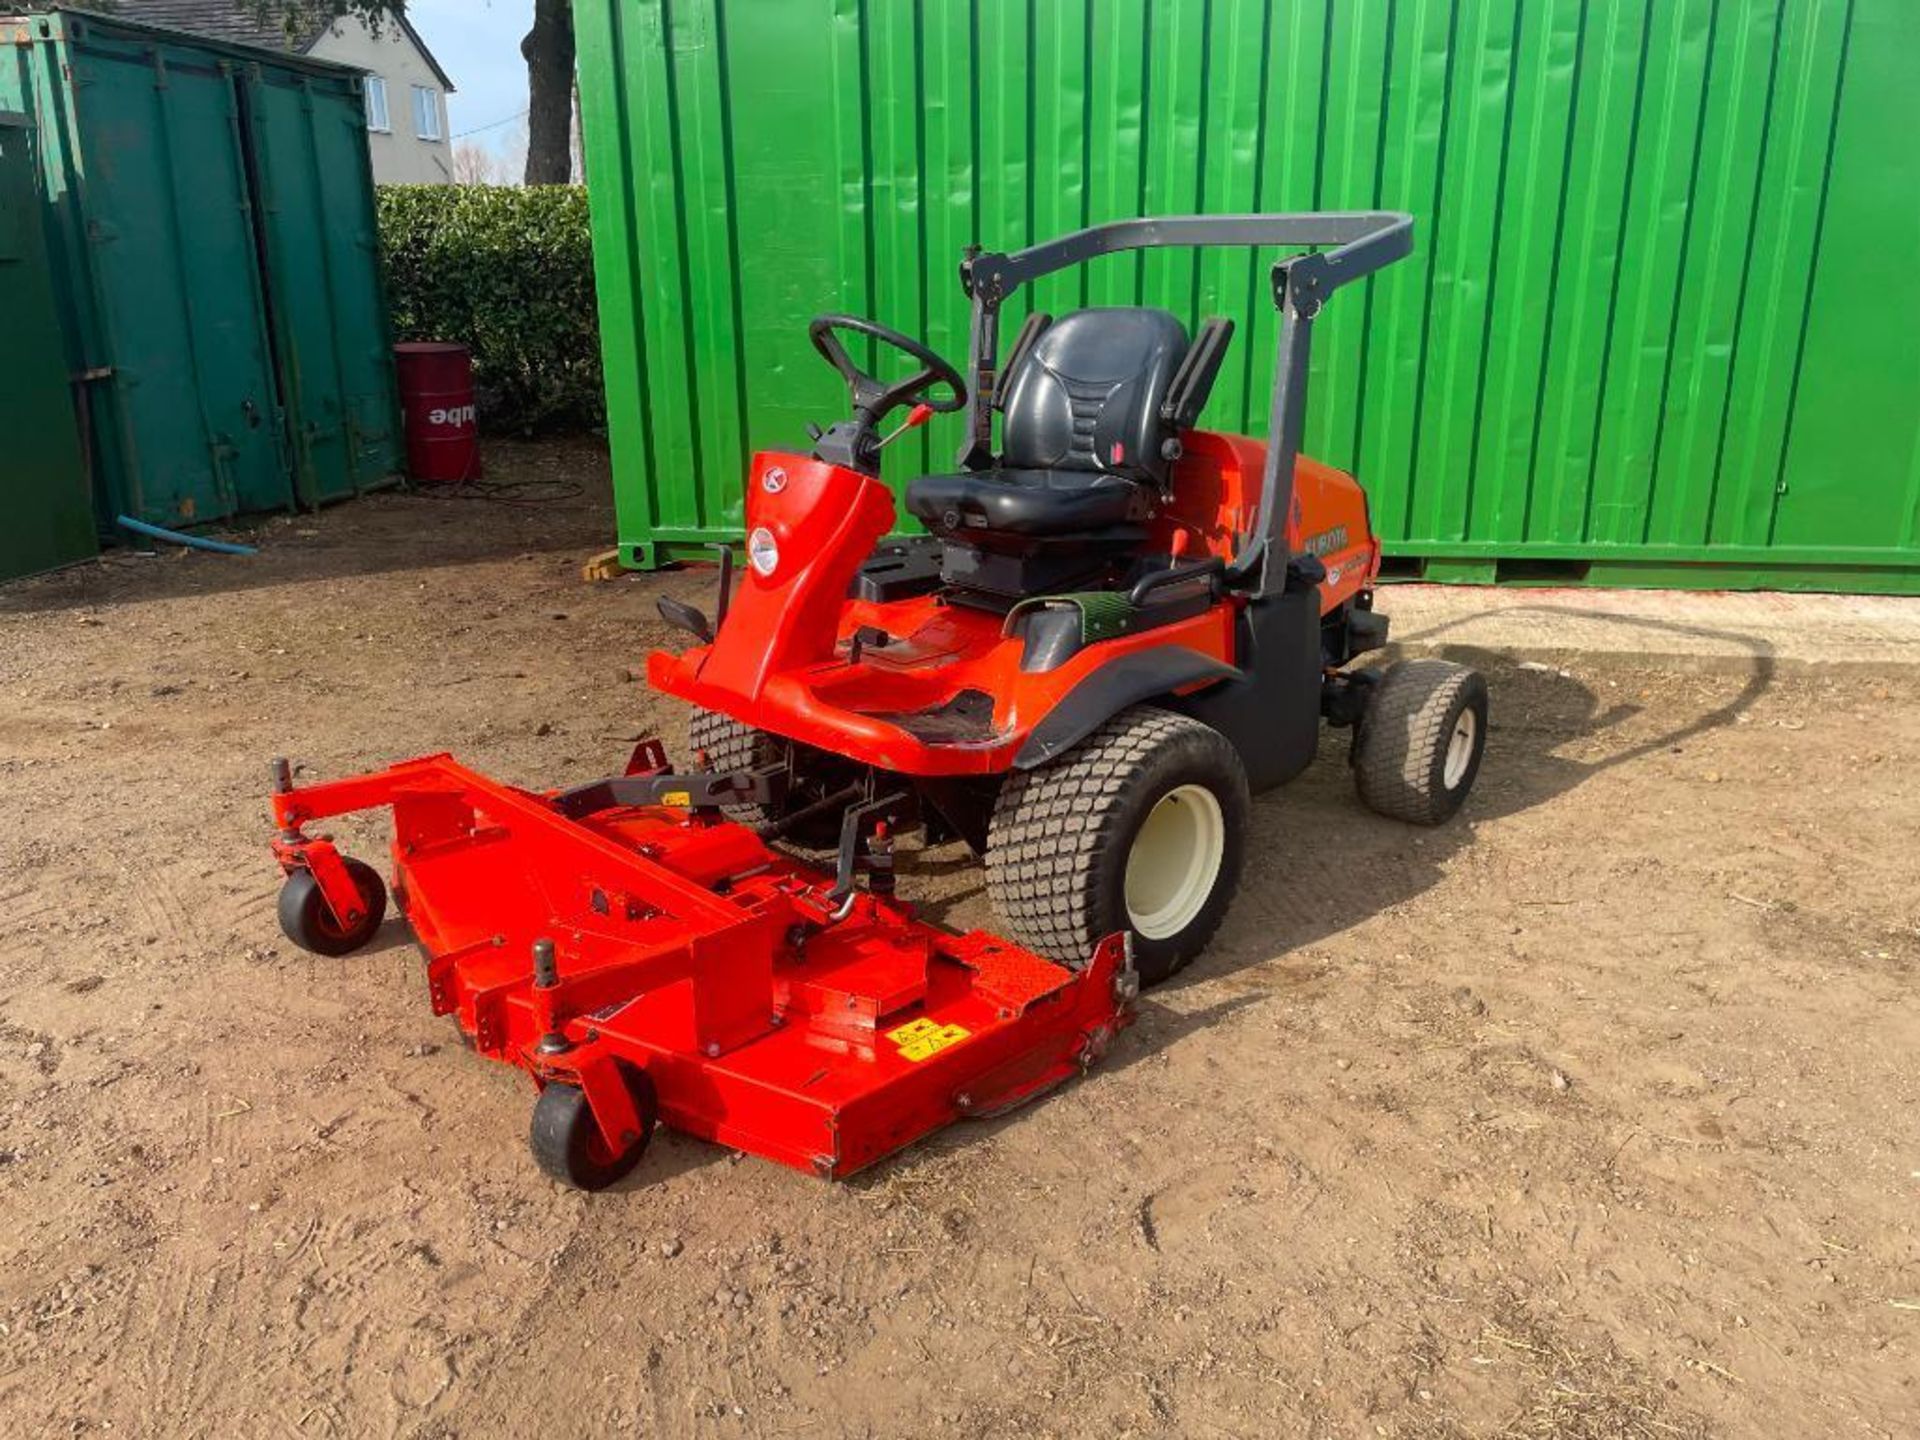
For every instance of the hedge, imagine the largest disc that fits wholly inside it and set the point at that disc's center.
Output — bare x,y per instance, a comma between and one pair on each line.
509,273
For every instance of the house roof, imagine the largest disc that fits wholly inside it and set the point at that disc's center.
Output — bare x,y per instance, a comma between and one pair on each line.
240,24
225,20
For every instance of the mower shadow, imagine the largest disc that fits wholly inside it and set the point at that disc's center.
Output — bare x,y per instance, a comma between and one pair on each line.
1318,862
671,1154
394,934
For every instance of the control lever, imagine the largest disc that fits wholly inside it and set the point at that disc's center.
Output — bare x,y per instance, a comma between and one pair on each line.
683,616
916,417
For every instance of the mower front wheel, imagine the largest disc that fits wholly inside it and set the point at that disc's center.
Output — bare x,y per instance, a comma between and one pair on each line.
569,1145
308,921
1141,827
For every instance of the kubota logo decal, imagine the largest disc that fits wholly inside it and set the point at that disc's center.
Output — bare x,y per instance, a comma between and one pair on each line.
1327,541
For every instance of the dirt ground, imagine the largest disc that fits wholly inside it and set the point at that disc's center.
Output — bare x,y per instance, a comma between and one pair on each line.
1592,1114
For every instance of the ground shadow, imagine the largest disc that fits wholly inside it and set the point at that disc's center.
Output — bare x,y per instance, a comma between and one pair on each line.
394,934
535,499
1540,716
1335,864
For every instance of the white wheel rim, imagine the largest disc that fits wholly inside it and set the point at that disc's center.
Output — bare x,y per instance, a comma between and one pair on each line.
1460,747
1175,859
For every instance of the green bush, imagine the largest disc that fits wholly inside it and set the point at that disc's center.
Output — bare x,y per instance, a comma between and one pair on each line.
508,273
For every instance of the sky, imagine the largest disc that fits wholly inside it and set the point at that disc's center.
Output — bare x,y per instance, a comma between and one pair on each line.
477,43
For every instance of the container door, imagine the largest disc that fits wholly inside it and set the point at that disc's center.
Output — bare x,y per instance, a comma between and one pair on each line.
315,186
175,272
43,486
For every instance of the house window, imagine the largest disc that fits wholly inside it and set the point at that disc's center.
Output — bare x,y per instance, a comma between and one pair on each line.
377,105
426,112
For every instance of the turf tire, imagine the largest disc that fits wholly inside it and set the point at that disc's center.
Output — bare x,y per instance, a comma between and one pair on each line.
1400,752
732,746
1062,834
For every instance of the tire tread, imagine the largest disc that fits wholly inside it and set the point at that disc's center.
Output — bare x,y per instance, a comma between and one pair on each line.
730,746
1405,725
1051,826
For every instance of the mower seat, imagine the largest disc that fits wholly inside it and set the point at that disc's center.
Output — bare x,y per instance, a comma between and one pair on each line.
1026,502
1082,432
1092,404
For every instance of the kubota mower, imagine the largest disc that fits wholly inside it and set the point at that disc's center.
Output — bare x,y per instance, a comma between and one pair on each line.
1117,630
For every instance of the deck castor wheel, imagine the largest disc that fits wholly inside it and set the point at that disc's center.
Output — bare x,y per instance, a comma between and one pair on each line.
309,921
567,1141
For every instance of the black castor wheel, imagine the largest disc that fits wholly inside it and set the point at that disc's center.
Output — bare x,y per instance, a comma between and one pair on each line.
567,1142
309,922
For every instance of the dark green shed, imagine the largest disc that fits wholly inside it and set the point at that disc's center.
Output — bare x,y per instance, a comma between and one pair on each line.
210,213
43,491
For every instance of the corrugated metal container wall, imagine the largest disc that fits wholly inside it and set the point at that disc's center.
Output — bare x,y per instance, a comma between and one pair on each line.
1660,312
228,368
135,138
314,191
48,519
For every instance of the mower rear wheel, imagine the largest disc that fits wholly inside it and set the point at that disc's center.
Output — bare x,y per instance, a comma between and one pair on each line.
1418,747
1141,827
729,745
308,921
567,1141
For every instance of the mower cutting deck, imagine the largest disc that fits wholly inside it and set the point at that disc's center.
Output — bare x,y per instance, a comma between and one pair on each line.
656,961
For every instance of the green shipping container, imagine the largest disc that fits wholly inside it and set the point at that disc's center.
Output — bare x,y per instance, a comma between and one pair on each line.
1657,330
43,486
211,217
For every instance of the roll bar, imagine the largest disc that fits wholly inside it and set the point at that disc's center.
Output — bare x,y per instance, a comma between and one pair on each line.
1345,245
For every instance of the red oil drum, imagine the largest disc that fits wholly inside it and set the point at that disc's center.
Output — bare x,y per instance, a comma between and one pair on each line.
436,396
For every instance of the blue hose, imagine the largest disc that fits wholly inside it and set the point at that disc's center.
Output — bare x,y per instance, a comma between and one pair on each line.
192,542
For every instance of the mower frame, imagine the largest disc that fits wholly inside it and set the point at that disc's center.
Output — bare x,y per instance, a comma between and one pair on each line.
638,949
1361,241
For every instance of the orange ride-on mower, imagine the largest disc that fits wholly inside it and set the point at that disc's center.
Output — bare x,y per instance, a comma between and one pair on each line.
1118,629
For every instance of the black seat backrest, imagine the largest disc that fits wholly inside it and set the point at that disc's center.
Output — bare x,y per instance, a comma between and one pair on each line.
1087,394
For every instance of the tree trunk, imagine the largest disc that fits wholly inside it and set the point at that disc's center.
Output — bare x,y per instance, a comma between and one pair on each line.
548,49
579,137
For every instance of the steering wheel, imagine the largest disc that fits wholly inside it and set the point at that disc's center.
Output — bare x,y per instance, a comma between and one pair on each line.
871,398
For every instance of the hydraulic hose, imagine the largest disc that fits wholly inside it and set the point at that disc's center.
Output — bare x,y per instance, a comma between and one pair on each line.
176,537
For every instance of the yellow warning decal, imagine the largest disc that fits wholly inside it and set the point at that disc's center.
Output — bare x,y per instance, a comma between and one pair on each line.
678,797
920,1038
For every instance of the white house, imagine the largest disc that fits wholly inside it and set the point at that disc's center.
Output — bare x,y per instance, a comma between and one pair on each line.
406,88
